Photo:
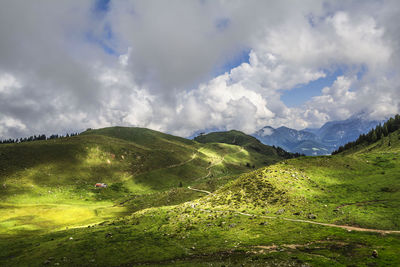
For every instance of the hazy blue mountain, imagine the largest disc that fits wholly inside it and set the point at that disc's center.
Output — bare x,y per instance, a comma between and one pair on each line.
292,140
337,133
320,141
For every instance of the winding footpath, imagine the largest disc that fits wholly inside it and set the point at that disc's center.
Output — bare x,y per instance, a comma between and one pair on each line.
182,163
199,190
346,227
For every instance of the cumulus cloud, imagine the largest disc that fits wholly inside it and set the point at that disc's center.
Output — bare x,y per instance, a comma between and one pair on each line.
67,66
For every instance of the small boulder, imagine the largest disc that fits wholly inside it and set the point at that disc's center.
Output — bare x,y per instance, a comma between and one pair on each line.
312,216
108,235
375,253
279,212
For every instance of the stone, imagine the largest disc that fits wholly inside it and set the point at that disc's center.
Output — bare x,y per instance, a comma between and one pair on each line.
108,235
375,253
312,216
280,211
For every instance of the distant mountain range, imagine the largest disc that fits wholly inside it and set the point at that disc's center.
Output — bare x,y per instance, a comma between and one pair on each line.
314,142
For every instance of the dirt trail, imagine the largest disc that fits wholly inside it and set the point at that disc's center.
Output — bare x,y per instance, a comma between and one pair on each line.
346,227
182,163
209,168
349,228
199,190
216,163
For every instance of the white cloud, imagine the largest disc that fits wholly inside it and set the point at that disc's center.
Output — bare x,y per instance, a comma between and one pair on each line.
64,68
267,132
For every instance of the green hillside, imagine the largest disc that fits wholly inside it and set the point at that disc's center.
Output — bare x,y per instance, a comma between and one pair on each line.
241,139
374,137
308,211
49,184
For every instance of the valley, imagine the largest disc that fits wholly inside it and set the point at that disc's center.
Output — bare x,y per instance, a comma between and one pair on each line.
176,202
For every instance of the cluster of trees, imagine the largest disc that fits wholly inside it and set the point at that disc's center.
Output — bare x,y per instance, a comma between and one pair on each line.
287,155
374,135
35,138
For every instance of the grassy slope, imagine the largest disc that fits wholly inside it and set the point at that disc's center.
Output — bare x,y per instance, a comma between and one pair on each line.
237,138
360,189
48,185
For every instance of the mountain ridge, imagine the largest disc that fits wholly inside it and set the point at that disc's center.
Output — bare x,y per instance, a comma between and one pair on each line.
309,211
316,141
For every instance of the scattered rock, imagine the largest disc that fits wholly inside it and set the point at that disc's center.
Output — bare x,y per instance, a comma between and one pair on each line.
297,213
375,253
312,216
232,225
48,261
280,211
336,210
108,235
263,223
71,238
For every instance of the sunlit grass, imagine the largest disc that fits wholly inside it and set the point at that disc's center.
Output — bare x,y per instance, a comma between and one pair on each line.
161,221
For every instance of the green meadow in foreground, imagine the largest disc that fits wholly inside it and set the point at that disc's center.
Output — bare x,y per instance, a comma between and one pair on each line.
176,202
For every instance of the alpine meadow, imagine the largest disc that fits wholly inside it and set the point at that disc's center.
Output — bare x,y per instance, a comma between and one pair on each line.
199,133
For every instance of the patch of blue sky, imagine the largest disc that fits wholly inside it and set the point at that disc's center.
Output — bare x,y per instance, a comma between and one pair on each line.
233,62
362,70
101,6
311,20
300,94
222,24
105,38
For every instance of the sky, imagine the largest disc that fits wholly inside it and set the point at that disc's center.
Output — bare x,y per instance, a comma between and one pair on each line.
181,66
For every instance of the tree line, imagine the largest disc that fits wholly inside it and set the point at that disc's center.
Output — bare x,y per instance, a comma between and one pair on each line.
373,135
287,155
36,138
